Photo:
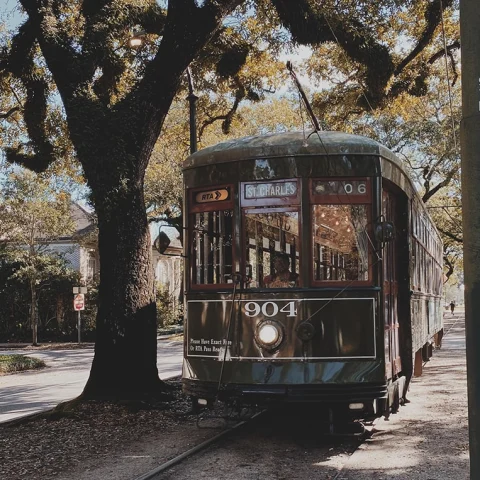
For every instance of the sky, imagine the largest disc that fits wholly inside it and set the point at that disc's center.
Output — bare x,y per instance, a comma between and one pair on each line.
10,13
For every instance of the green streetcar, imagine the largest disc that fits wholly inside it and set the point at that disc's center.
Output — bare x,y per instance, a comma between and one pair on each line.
313,274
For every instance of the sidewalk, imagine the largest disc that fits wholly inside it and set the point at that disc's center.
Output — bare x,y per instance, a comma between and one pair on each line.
428,438
65,377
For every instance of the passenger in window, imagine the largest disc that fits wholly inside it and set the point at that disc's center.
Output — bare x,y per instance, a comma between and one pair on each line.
282,276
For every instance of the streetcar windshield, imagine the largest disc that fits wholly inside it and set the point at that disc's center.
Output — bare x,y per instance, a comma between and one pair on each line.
272,248
340,243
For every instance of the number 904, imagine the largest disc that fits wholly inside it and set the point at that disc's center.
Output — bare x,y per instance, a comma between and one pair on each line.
270,309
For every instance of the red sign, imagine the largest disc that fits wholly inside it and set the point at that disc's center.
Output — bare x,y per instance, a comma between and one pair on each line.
79,302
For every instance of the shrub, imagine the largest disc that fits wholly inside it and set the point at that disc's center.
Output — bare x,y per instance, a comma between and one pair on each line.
18,363
169,309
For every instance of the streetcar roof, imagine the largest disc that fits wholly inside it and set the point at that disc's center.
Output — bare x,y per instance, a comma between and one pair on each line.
298,144
289,144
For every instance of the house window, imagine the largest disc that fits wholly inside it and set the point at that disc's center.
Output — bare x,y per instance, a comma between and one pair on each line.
91,267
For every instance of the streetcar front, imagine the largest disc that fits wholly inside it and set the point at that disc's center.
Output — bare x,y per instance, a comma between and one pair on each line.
283,279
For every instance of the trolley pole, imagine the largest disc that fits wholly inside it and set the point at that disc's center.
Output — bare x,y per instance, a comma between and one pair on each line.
470,146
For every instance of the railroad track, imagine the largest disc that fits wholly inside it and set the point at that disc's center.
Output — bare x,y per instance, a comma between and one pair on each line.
160,469
198,448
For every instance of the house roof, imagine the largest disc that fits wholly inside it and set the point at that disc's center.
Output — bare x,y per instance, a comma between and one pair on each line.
83,219
83,223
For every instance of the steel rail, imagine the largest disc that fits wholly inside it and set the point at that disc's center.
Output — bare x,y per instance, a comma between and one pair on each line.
179,458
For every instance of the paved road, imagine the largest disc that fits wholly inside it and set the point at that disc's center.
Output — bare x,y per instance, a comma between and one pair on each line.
454,326
64,378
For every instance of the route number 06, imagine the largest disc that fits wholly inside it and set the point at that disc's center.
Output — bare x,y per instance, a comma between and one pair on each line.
361,188
269,309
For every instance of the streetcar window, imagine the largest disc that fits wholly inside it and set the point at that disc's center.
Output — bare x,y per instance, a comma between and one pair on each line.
340,243
212,247
272,248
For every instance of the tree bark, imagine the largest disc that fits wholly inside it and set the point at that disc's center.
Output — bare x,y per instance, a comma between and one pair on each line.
125,359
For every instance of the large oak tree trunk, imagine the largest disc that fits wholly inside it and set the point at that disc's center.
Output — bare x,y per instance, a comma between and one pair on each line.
125,359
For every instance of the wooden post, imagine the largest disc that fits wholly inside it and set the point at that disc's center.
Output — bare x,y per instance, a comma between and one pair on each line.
470,147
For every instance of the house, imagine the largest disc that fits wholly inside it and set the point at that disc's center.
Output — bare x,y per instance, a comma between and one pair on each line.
168,265
80,248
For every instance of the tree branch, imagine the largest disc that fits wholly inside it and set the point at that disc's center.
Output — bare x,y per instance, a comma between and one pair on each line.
453,46
450,235
312,25
21,64
90,8
450,48
227,118
188,29
451,267
317,26
56,45
98,43
9,112
428,195
433,17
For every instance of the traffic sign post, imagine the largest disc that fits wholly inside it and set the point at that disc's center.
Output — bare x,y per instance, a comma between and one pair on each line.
79,305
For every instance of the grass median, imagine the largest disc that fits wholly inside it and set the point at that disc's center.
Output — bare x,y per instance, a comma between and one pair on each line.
18,363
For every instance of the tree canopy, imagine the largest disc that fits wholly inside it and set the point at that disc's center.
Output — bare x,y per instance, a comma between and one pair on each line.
32,216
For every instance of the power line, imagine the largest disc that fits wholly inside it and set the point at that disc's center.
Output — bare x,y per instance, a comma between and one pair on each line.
446,206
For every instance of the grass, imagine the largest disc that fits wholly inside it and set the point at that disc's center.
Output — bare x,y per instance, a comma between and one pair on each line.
18,363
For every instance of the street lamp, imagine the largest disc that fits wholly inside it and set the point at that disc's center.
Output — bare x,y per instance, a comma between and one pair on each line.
136,39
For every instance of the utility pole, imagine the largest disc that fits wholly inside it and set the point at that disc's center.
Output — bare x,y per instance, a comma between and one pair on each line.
470,146
192,100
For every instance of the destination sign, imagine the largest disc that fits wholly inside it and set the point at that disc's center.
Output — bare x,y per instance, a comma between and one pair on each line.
270,190
212,196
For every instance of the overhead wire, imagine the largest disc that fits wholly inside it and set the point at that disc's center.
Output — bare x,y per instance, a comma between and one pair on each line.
356,231
363,88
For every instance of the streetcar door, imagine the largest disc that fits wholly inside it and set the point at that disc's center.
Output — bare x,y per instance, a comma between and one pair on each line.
391,289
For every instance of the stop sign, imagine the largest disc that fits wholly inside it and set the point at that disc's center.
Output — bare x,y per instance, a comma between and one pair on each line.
79,302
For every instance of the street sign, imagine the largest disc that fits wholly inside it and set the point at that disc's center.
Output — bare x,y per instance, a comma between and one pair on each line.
79,302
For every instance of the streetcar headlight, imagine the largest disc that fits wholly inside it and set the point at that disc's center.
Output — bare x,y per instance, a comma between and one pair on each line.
269,334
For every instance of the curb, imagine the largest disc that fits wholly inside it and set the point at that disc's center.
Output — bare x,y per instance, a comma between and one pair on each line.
25,418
